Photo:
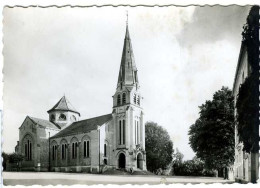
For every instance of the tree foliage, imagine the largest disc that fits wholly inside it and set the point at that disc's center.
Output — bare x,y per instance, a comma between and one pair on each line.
158,146
11,158
212,135
194,167
247,103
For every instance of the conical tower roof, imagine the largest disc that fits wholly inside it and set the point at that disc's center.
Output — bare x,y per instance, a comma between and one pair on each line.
128,70
63,105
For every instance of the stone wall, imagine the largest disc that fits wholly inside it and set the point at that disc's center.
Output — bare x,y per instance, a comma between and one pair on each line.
81,163
39,137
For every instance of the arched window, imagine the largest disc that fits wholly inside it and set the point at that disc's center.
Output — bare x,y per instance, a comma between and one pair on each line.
120,132
105,150
63,151
73,118
138,100
137,132
123,131
124,98
135,98
54,152
118,99
86,148
52,117
28,147
62,117
74,150
28,150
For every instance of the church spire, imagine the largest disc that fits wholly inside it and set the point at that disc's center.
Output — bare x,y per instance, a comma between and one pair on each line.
128,71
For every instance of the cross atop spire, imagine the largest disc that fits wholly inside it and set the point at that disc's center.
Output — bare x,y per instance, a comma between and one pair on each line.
126,17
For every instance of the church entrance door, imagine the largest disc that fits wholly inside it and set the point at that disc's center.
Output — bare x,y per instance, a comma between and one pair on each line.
140,161
121,160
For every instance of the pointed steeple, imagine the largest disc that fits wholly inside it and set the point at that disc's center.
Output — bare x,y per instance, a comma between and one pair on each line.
128,71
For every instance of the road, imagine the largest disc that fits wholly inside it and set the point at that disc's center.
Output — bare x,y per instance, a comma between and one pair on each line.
55,178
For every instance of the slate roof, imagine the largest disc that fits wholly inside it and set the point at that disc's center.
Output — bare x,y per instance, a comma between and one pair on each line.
63,105
44,123
83,126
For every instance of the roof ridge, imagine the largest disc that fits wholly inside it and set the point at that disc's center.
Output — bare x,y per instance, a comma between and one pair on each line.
83,126
65,101
39,118
92,118
39,121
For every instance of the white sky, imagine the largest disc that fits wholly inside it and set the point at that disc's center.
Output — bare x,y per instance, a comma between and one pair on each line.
183,56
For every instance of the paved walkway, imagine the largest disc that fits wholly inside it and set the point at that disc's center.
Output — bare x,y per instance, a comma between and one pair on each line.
55,178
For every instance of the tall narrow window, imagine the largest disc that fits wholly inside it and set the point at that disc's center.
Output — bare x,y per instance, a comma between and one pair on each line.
105,150
63,151
124,98
135,98
118,99
120,132
123,131
66,150
137,132
73,148
87,148
25,151
30,151
53,153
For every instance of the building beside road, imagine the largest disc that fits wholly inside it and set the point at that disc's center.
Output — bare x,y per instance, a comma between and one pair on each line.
246,165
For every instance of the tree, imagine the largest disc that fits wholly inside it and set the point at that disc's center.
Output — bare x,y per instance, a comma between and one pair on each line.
11,158
212,135
15,158
158,146
194,167
247,103
177,162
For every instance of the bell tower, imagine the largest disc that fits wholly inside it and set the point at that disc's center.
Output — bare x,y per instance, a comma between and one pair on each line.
129,130
63,113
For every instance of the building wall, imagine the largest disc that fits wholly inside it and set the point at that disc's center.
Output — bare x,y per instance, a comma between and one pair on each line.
91,164
39,138
245,165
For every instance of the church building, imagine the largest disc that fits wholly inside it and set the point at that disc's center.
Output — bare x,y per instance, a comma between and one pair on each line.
67,144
